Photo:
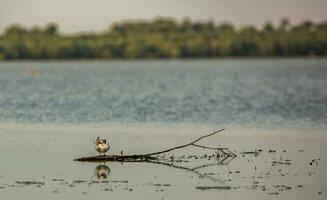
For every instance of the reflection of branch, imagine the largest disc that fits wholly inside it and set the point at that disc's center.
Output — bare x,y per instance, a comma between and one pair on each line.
209,165
193,170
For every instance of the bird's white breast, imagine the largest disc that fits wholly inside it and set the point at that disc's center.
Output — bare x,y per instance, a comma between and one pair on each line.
102,148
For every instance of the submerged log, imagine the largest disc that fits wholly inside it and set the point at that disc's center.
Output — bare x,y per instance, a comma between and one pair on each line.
116,158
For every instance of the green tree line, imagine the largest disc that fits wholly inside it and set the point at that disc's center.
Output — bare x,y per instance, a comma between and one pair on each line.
166,38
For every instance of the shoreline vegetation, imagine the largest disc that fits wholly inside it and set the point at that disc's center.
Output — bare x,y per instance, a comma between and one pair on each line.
166,38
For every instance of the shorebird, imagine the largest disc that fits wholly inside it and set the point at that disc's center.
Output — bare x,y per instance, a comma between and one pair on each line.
101,146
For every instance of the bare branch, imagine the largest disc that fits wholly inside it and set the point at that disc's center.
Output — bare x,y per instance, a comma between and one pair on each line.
183,146
153,156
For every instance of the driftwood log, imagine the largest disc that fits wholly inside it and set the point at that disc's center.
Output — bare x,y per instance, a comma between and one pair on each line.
222,153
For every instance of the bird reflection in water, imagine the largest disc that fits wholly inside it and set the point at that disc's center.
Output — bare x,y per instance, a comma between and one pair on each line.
102,171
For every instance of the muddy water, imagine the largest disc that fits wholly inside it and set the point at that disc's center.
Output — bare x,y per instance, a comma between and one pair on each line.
37,163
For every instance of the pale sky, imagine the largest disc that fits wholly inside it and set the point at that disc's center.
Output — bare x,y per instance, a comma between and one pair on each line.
95,15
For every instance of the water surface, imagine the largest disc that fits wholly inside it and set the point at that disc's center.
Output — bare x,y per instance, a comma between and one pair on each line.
266,92
37,163
51,113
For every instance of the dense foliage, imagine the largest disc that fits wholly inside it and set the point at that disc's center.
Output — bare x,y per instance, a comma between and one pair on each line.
166,38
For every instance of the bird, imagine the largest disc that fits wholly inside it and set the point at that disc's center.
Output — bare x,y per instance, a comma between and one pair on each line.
101,146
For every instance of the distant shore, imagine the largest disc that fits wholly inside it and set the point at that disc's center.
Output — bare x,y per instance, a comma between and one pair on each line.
166,38
168,59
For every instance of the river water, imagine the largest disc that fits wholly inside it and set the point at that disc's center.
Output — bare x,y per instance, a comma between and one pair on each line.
261,92
274,112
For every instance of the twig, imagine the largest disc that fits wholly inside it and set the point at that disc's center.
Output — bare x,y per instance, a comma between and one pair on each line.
205,147
182,146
